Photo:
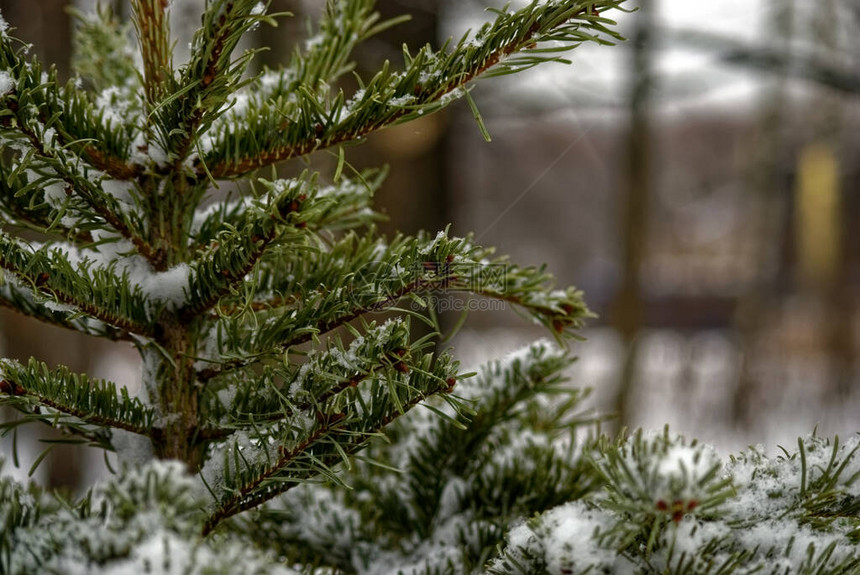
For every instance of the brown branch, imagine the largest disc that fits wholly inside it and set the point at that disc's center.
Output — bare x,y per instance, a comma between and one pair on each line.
112,166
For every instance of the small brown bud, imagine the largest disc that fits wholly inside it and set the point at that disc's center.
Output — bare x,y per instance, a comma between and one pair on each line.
11,388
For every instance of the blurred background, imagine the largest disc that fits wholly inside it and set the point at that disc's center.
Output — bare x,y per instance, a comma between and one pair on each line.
697,182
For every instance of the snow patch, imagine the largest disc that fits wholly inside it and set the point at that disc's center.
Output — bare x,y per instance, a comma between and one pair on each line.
7,82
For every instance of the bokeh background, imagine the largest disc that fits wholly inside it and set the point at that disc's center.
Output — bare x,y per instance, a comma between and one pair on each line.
699,183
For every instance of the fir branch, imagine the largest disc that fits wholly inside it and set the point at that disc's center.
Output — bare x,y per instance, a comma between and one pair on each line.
24,204
97,291
38,97
151,22
277,131
332,437
198,98
94,135
310,386
290,215
23,300
43,139
234,252
93,402
341,206
102,52
474,447
326,299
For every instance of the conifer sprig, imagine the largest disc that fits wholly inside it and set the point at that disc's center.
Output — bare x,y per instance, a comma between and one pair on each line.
192,103
151,20
74,402
59,119
328,415
278,128
100,291
322,299
21,299
436,493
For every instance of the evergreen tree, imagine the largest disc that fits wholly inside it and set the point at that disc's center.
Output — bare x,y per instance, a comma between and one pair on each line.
290,420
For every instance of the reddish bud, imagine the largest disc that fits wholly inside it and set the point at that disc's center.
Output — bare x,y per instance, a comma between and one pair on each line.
10,388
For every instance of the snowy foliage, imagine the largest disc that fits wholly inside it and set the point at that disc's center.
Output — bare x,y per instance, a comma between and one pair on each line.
669,506
142,520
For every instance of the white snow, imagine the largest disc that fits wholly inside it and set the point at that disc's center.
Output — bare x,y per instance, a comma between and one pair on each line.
568,538
168,288
119,189
131,447
7,82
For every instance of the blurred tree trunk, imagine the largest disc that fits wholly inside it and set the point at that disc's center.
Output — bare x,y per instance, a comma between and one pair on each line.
415,195
627,309
834,286
767,179
46,25
280,41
